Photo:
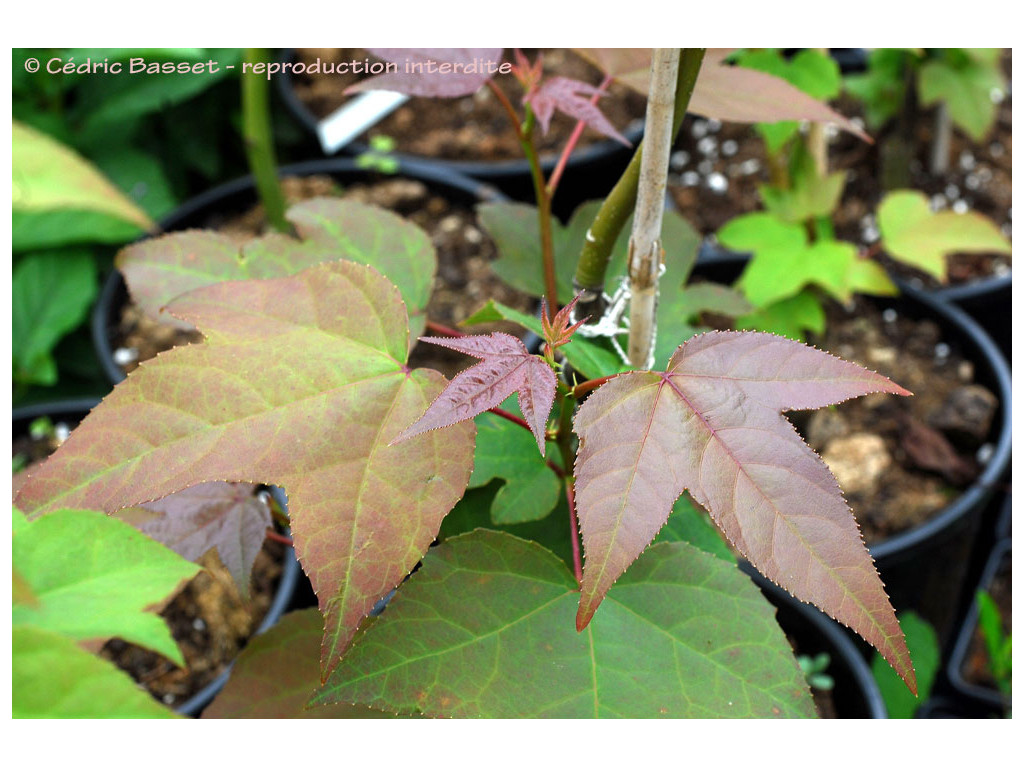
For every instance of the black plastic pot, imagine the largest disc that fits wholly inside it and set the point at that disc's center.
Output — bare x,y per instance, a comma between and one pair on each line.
239,195
979,701
74,411
856,694
989,302
925,568
590,171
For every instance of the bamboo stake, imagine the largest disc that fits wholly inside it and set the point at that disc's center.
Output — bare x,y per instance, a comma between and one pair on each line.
645,240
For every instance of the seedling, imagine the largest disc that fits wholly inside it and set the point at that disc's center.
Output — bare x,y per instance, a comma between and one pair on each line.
998,644
815,669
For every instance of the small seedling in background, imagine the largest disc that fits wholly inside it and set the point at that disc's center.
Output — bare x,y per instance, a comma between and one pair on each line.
379,157
815,669
997,642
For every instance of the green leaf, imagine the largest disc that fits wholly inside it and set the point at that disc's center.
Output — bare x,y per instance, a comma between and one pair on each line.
815,73
95,577
784,262
689,523
485,629
51,293
788,317
474,511
809,196
882,88
507,451
52,677
965,90
302,382
160,269
515,230
119,97
141,177
58,197
923,645
277,672
911,233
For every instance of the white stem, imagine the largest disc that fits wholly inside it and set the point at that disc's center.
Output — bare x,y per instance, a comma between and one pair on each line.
645,240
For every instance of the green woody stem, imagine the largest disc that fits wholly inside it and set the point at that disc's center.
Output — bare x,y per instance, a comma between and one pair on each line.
259,142
617,207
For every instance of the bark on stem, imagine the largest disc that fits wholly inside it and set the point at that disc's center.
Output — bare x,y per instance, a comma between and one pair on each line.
645,241
611,218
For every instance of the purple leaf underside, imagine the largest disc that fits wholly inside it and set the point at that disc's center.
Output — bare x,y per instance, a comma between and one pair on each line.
573,98
507,367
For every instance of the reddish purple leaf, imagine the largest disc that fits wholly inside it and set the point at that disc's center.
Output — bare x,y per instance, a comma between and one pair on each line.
507,367
301,382
558,331
221,515
571,97
445,72
712,424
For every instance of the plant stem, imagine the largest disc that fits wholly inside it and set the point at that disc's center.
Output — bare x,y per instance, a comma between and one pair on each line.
943,136
510,416
443,330
564,439
509,109
645,241
259,142
556,175
617,207
540,191
581,389
275,536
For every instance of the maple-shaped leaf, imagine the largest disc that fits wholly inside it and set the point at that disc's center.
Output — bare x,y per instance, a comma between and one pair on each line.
227,517
573,98
915,235
444,72
484,629
507,367
712,424
302,382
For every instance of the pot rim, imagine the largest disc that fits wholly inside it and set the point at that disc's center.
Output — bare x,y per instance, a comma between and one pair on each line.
499,169
289,568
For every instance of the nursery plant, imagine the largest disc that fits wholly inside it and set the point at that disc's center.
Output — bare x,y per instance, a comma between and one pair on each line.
303,381
796,257
998,643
